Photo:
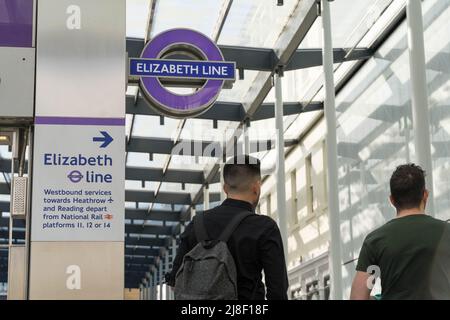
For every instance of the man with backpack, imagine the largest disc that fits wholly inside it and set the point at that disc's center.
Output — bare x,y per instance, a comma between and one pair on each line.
224,250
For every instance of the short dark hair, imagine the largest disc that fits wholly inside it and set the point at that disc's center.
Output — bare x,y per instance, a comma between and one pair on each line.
407,186
240,171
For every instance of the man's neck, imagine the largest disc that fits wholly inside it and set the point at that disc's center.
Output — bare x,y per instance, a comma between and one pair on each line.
240,198
410,212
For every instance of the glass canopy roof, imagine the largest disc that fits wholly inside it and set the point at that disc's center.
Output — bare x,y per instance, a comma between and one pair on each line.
247,25
242,23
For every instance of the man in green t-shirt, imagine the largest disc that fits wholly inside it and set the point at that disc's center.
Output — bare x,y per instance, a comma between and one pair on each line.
411,253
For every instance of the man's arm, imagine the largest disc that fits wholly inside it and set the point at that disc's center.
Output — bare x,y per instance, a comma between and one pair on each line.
360,289
185,247
272,259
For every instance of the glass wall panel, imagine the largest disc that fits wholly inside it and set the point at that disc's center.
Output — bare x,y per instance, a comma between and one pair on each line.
375,131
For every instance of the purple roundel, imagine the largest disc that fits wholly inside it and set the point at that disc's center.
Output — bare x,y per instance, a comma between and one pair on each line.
172,104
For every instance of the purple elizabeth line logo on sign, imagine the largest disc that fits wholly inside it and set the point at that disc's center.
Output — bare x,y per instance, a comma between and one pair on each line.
75,176
178,105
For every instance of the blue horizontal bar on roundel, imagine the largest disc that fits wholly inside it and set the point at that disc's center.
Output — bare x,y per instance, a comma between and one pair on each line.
218,70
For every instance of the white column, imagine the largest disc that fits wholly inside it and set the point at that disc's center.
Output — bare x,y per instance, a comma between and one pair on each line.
331,150
160,266
144,292
70,41
145,287
281,174
419,95
166,269
150,285
155,283
247,137
303,291
206,197
174,254
223,196
321,286
150,292
174,249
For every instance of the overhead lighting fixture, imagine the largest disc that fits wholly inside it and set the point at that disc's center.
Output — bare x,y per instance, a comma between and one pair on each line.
5,139
280,2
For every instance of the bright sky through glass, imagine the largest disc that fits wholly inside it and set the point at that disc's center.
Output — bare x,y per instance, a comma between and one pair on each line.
246,25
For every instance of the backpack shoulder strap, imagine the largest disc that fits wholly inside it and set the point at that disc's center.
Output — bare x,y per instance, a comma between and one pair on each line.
199,227
234,223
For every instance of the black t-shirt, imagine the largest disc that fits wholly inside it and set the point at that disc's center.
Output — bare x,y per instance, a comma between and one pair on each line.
255,245
413,256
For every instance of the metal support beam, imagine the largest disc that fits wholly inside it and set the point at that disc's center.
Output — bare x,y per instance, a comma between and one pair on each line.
18,223
4,206
331,152
267,110
281,174
17,234
129,240
138,266
264,59
4,189
130,251
219,111
307,58
163,197
248,58
206,198
156,215
419,95
150,19
226,111
148,229
139,260
188,148
170,175
226,6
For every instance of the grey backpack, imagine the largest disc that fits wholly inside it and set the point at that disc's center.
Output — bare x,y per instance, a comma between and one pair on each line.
208,271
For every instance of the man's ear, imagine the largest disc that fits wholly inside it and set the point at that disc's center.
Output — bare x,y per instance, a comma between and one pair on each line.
391,199
425,195
256,187
225,189
425,198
